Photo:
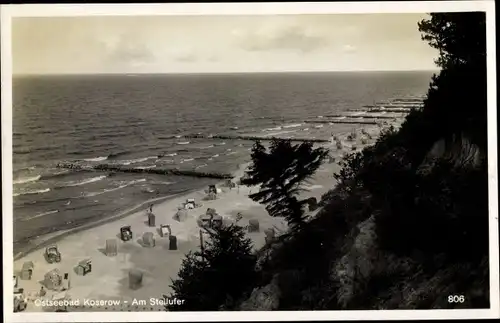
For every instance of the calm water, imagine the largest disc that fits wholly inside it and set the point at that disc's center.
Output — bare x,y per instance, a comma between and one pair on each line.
131,120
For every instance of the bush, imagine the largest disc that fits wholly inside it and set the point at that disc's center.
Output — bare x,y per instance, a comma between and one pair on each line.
217,276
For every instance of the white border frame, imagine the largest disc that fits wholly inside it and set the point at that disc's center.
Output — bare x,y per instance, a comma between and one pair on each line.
49,10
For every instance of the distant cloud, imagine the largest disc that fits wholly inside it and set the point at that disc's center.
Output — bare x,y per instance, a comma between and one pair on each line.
289,37
129,50
183,55
348,48
187,58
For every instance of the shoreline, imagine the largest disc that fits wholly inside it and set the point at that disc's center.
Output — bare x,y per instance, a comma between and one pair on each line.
51,238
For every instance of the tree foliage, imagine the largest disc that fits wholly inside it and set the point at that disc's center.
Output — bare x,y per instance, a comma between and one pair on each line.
219,275
456,100
280,173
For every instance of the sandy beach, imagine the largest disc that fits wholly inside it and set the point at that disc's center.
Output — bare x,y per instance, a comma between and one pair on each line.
109,278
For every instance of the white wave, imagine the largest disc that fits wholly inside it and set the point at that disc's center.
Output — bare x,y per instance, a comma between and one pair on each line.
318,126
230,153
306,129
97,158
292,125
229,149
187,159
201,166
320,117
183,143
91,194
171,155
23,180
86,181
221,144
207,147
215,156
135,161
273,129
45,190
40,215
163,183
166,161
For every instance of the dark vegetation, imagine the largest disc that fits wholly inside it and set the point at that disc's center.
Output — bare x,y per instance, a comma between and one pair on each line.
406,225
217,276
280,173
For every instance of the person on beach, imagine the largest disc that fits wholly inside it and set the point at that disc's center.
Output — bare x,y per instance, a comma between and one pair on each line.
42,291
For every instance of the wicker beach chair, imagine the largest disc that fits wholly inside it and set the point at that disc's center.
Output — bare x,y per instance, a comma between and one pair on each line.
253,225
27,270
172,243
111,248
151,219
148,239
181,215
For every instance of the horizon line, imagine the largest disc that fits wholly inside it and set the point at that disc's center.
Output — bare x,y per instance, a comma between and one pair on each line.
224,73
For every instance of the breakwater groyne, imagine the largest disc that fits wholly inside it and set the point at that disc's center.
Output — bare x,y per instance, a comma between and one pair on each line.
383,109
251,138
164,171
393,106
364,116
351,121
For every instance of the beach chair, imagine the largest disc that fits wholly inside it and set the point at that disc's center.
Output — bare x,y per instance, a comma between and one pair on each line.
172,243
52,254
148,239
181,215
216,221
126,233
151,219
212,189
27,270
84,267
253,225
165,230
111,248
204,220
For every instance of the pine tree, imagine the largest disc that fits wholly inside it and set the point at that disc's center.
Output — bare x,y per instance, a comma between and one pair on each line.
280,173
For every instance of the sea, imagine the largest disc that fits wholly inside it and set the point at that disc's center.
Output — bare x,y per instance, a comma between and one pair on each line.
138,121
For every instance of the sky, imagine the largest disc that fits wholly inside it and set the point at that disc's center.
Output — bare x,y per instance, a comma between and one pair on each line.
219,44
